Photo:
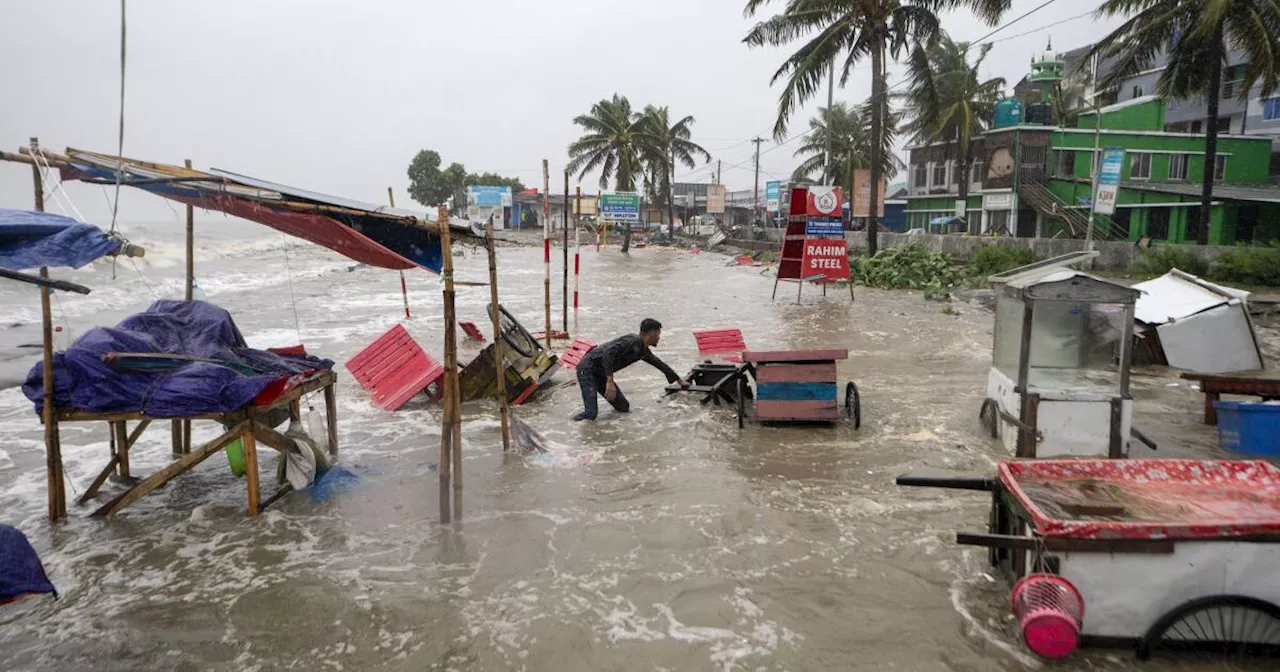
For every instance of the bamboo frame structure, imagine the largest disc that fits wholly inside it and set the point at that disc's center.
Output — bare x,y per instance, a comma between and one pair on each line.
546,246
498,357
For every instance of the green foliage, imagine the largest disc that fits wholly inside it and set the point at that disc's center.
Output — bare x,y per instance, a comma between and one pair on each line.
1162,258
1249,264
910,266
994,259
429,185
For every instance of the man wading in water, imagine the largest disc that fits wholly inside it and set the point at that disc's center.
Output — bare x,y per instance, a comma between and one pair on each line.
595,371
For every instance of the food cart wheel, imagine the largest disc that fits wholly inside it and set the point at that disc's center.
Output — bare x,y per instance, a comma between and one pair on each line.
1234,627
989,416
853,404
742,401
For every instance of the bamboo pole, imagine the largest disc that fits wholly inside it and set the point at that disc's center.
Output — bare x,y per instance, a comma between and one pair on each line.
546,247
564,318
404,288
577,247
499,359
450,437
53,451
191,245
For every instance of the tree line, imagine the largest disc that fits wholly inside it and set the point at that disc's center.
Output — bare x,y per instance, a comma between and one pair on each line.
429,184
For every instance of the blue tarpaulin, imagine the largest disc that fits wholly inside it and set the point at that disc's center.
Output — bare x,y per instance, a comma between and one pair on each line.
34,239
21,573
166,388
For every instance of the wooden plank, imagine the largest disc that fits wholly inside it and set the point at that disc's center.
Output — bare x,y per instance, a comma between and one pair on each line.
137,432
797,373
176,468
331,416
797,410
272,439
251,468
122,447
796,391
763,356
1024,543
98,481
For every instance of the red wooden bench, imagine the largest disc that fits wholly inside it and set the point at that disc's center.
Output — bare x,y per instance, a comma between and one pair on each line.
572,356
472,331
727,344
395,369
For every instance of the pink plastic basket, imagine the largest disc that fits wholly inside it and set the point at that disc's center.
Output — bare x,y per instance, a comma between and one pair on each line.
1049,611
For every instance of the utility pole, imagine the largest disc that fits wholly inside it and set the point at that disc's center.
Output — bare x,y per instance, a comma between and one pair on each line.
755,208
1097,161
719,172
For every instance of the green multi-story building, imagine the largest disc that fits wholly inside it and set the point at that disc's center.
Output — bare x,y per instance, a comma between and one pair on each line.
1036,180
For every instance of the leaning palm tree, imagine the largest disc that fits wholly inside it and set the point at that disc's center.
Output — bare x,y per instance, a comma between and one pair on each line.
948,101
1201,31
612,144
664,144
850,144
854,30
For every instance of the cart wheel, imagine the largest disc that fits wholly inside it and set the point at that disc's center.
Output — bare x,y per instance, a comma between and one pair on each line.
1234,627
742,401
989,416
853,404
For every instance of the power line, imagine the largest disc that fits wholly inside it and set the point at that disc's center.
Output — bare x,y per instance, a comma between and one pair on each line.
1044,27
1039,7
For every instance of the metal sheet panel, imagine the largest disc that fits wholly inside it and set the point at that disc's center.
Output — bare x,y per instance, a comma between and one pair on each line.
1214,341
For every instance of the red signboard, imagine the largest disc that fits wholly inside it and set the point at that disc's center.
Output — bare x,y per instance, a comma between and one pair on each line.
827,257
824,202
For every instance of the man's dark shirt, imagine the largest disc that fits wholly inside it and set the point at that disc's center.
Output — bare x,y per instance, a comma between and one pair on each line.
609,358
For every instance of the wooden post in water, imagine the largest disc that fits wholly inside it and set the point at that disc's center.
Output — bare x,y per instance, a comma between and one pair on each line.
577,245
451,434
181,429
546,246
52,446
499,360
404,288
565,314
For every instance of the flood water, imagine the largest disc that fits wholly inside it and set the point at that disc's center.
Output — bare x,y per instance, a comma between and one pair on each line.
665,539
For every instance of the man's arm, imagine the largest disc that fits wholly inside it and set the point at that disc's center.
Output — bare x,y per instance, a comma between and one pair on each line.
660,365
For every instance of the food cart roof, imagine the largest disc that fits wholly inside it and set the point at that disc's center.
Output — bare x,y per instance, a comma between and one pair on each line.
1064,284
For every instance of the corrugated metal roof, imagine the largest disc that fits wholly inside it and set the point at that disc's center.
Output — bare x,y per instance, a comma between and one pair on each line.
1176,295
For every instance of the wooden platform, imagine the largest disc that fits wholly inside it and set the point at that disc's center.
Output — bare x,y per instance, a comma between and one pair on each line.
1258,383
247,425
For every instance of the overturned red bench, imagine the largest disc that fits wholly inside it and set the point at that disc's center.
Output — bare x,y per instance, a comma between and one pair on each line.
395,369
725,344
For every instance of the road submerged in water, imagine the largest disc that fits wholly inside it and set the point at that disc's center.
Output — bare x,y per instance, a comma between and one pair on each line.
665,539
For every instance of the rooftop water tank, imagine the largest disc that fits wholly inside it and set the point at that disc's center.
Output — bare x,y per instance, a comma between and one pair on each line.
1008,113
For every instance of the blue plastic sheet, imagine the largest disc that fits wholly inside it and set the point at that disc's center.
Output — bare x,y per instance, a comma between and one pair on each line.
333,483
82,380
34,239
20,570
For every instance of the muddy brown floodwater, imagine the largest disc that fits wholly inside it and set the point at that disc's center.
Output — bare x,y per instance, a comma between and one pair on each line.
665,539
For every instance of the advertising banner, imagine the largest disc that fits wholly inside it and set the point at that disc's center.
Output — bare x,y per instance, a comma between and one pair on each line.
824,202
620,207
1109,180
772,197
489,197
862,195
715,199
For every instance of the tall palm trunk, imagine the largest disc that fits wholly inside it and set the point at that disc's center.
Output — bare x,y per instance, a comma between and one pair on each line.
962,165
1211,136
877,125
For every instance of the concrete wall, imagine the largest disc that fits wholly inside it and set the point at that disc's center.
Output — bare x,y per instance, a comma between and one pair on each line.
1112,255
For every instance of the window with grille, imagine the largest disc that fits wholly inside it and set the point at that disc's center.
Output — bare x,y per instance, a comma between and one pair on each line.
1219,168
939,174
1139,166
921,175
977,172
1177,166
1158,223
1271,109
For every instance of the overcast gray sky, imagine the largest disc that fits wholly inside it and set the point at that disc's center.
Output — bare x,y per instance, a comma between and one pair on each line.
337,96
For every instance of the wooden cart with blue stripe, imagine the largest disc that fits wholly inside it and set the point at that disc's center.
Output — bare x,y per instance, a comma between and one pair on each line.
796,386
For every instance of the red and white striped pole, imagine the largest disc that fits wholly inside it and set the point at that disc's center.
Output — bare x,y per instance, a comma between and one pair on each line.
546,244
576,247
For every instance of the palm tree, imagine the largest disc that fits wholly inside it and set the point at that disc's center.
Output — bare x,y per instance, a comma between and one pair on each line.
663,145
612,144
846,128
948,101
855,29
1197,34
